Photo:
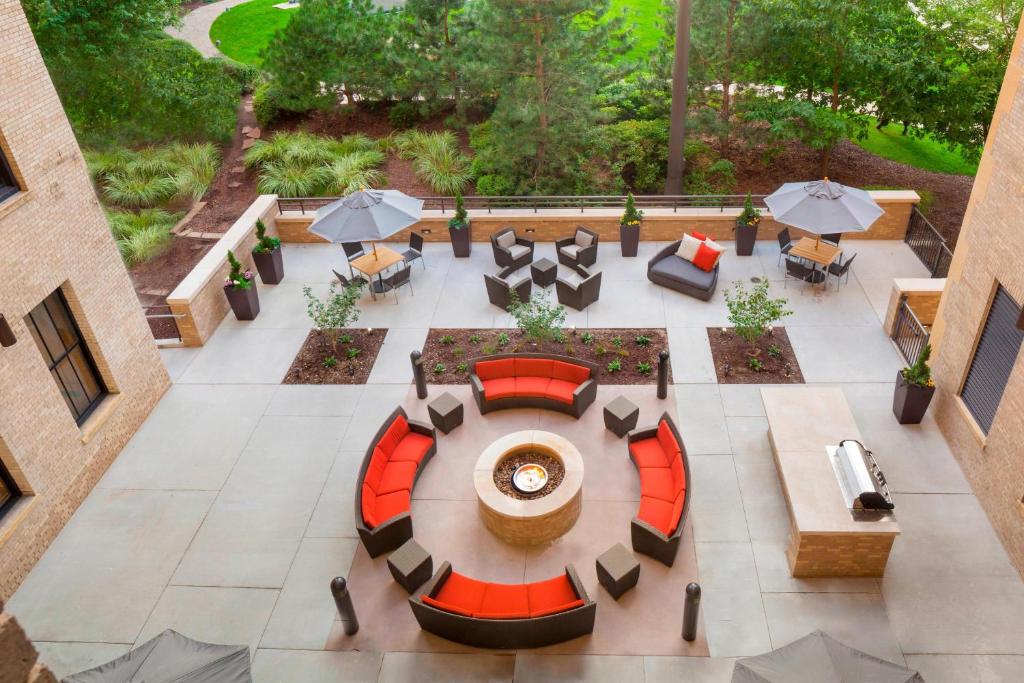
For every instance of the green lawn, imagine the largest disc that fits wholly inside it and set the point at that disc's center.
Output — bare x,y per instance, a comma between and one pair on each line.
927,152
245,30
647,30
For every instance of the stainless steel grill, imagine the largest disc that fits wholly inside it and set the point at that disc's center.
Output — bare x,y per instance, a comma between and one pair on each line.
860,480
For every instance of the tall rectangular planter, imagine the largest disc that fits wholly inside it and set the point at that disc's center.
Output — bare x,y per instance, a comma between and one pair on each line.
629,239
270,266
462,240
245,303
746,236
910,402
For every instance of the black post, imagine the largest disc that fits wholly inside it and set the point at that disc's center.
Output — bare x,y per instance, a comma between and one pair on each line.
663,374
418,375
343,600
690,611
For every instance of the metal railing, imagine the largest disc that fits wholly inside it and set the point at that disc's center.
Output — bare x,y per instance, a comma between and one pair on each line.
908,333
928,244
163,324
721,202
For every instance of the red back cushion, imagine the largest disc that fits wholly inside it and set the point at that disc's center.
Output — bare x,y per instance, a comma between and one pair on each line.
706,258
375,470
533,367
368,502
394,433
569,372
699,235
667,440
557,608
494,369
447,607
677,510
678,474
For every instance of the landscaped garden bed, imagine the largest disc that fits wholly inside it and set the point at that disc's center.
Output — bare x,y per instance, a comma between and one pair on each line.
624,356
772,361
322,360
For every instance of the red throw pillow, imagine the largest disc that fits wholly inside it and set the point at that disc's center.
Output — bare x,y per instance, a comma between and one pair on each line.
699,235
706,258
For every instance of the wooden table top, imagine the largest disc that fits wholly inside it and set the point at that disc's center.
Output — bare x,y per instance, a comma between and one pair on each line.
825,253
369,264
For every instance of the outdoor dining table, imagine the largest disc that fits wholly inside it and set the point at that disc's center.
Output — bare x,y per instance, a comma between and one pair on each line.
375,263
818,253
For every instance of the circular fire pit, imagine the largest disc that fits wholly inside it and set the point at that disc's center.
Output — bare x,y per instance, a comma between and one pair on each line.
529,486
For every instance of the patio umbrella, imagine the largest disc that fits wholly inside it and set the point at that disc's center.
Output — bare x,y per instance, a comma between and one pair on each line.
366,215
820,658
823,207
171,657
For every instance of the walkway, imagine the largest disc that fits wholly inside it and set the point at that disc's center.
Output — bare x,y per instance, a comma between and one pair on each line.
229,511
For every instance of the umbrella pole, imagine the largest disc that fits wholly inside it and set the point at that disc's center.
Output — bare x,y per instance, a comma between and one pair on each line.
817,242
374,250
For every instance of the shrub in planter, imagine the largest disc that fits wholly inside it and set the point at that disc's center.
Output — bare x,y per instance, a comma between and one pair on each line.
752,312
746,228
241,291
333,314
539,320
629,227
914,390
459,229
267,256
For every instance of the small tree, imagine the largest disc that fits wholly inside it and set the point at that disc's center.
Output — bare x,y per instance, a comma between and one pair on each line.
459,220
337,311
920,374
631,215
538,319
751,312
264,244
237,278
749,216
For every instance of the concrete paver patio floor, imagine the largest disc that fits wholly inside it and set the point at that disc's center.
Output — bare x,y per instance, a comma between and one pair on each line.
232,507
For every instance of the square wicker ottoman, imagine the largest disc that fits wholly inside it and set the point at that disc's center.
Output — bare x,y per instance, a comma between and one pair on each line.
411,565
620,416
446,412
617,570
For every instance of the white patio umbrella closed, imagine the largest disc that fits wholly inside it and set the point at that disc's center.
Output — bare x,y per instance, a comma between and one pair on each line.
366,215
822,207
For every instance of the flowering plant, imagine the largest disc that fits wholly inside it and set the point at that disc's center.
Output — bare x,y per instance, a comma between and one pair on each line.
750,216
631,215
237,278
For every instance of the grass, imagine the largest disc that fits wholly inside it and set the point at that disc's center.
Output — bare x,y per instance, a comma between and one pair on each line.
647,29
926,153
245,30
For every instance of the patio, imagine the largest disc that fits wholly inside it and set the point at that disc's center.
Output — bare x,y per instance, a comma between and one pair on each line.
231,509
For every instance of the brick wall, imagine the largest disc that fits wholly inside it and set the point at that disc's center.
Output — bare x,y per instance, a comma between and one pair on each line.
54,235
989,251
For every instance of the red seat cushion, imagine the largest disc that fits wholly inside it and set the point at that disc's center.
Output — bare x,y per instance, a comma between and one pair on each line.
648,453
391,505
462,591
500,598
533,367
569,372
678,473
412,448
532,386
705,258
395,432
368,503
657,513
667,440
561,390
398,476
375,470
557,608
494,369
447,607
545,595
504,387
656,482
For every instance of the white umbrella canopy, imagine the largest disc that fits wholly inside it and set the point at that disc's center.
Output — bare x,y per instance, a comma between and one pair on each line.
822,207
366,215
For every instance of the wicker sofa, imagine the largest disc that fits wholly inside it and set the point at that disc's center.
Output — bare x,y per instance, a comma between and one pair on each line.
660,457
504,616
533,380
672,271
510,250
501,286
393,462
578,250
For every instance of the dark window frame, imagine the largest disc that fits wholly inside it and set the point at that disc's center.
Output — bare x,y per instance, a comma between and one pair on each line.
65,357
8,183
12,486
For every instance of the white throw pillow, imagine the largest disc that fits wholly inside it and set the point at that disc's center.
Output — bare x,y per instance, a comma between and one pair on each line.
507,239
688,247
583,239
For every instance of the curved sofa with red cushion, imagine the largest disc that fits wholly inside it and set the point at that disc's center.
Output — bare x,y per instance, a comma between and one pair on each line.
392,464
660,457
498,615
533,380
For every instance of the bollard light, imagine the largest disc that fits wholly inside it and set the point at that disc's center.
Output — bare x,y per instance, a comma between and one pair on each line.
7,337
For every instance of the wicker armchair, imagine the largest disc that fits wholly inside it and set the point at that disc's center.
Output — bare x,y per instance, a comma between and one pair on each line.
579,292
500,288
510,250
578,250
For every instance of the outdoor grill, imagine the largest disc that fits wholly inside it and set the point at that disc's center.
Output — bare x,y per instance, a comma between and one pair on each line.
860,480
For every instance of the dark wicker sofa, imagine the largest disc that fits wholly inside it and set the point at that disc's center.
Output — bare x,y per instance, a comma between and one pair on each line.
515,255
533,380
668,270
504,616
660,457
393,462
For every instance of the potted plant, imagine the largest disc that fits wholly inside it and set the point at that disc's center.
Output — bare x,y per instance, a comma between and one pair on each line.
459,229
746,228
241,291
267,256
629,227
914,390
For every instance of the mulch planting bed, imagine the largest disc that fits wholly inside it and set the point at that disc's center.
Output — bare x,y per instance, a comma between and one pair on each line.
728,348
447,351
507,467
308,366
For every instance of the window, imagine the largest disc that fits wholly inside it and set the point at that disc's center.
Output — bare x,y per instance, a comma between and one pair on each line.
993,360
66,356
9,492
8,186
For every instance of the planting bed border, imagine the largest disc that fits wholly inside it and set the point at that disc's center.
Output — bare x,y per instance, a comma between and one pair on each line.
307,367
730,348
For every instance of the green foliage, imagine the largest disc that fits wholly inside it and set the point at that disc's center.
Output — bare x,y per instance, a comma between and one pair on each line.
136,189
404,114
153,176
755,364
143,235
353,172
458,352
246,76
749,216
439,368
462,367
706,172
345,339
600,350
489,349
338,310
587,338
237,278
306,165
631,215
447,340
196,166
920,374
774,351
752,311
475,339
460,220
266,102
495,185
641,96
644,368
614,365
617,342
642,340
637,152
916,148
503,339
329,362
352,353
538,318
245,31
436,159
817,127
264,244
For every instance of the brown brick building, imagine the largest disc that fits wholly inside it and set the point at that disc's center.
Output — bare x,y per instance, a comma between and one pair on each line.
977,365
81,372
